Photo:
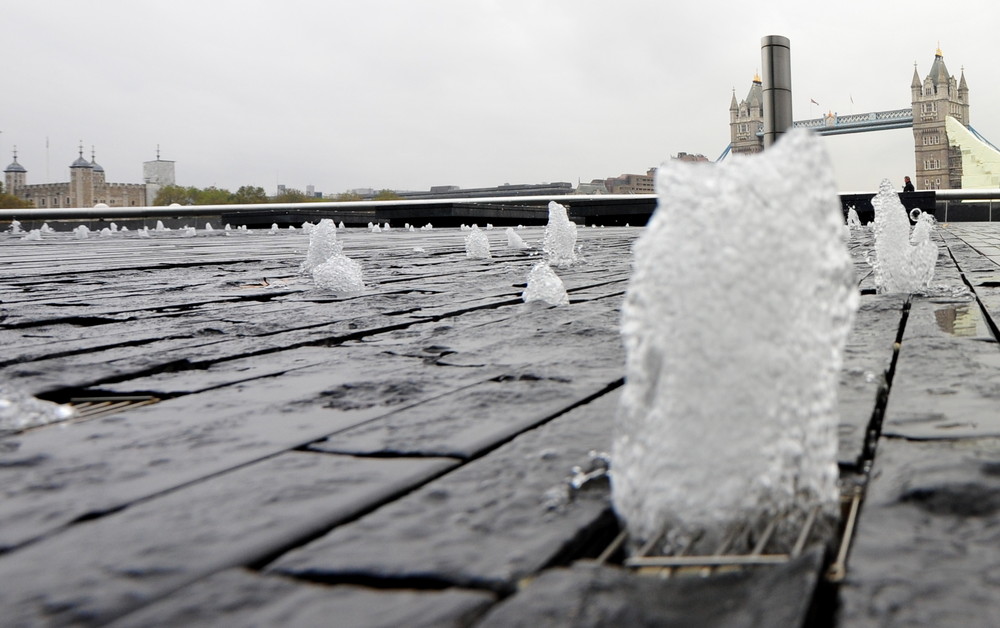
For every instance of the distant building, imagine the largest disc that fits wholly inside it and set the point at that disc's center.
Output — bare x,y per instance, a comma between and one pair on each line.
689,157
746,120
935,99
156,174
596,186
632,183
86,187
527,189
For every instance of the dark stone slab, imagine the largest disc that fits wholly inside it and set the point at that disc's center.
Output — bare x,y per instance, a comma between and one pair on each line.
988,292
241,598
57,474
485,525
585,340
947,381
968,256
867,357
590,596
464,423
98,570
927,547
223,374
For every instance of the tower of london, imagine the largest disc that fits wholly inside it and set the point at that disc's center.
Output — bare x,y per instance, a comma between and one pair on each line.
87,185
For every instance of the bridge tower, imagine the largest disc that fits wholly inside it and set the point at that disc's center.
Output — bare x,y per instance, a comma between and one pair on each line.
938,96
746,119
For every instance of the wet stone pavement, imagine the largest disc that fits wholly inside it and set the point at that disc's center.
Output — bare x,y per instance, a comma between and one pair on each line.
287,455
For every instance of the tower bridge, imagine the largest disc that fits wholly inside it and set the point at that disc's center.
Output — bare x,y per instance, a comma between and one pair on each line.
833,124
948,152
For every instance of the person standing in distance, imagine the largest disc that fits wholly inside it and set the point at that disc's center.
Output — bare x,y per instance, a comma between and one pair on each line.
907,184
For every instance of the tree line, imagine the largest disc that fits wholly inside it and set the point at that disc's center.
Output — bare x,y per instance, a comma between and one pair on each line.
248,194
9,201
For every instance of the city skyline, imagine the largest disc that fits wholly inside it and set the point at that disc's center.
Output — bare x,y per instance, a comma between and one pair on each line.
405,96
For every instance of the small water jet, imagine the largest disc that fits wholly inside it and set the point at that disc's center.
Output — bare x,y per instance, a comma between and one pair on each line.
477,244
19,410
339,274
514,241
545,285
81,232
734,326
559,242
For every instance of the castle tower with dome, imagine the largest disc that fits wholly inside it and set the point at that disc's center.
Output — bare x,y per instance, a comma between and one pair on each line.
87,187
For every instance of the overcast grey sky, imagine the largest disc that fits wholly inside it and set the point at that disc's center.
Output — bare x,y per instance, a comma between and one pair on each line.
407,94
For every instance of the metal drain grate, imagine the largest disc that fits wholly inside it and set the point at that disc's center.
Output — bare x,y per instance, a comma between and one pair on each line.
722,558
93,407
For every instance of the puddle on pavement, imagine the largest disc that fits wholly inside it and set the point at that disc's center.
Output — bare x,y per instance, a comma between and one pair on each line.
963,320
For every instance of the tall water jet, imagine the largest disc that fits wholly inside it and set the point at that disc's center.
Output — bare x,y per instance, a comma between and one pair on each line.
899,266
853,220
559,242
323,245
734,326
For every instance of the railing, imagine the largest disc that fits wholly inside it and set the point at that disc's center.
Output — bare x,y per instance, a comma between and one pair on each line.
56,213
968,205
960,203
